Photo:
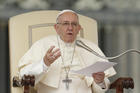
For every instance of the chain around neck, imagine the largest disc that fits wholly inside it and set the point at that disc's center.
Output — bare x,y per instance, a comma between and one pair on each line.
62,57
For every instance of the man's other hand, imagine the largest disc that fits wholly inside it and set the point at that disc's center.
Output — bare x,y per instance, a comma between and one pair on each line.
98,77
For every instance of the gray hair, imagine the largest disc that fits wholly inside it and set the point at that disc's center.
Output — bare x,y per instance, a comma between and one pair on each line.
64,11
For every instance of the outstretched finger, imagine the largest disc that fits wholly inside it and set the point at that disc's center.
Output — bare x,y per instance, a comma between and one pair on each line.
50,49
54,52
57,55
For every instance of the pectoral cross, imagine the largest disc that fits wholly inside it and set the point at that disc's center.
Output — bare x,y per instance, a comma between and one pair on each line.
67,81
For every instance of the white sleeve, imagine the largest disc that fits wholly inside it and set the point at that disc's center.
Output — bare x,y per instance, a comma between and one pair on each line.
98,88
38,69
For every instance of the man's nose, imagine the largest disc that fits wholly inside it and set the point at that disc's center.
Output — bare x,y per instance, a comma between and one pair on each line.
70,26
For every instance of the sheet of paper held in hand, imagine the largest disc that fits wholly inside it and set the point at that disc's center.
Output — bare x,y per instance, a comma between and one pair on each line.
100,66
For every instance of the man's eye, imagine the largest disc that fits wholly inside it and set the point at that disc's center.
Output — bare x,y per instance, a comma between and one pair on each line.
65,23
74,24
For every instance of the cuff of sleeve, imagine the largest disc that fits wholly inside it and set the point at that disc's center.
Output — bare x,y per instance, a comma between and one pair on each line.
45,67
102,87
96,88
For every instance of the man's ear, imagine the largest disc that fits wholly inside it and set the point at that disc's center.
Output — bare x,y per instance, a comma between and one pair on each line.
79,27
56,28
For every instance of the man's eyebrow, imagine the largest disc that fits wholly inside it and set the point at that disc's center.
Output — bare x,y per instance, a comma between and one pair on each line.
66,21
69,21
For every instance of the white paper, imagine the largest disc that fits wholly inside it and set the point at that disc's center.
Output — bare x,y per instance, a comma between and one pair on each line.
100,66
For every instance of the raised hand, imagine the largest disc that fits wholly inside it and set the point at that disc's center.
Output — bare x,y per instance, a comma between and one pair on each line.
51,55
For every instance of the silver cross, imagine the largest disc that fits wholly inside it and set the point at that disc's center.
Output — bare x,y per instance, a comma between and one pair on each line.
67,81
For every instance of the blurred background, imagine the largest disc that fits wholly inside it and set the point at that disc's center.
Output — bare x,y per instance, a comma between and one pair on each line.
118,29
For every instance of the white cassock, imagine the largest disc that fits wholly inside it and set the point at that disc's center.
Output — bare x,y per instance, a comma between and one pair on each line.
49,79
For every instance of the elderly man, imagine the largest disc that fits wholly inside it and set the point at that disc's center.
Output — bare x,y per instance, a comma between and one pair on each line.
51,60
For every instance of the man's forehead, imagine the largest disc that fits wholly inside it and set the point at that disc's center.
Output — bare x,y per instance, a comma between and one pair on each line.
68,16
65,14
64,11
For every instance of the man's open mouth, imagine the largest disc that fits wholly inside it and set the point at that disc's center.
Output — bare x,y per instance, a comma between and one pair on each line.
69,34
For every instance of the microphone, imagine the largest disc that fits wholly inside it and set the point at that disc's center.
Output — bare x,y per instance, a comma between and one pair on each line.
83,45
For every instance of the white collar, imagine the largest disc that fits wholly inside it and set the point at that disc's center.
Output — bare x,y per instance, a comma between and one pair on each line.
64,44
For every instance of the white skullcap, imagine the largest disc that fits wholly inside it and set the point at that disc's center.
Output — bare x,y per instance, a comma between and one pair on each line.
64,11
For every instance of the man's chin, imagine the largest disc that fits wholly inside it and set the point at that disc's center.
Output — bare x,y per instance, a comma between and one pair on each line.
69,40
